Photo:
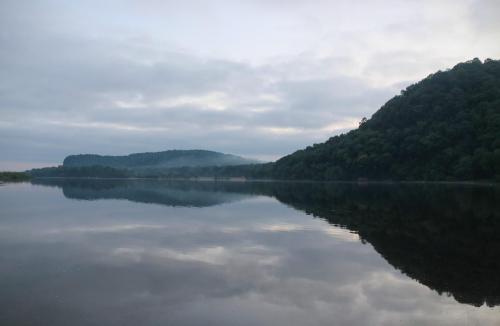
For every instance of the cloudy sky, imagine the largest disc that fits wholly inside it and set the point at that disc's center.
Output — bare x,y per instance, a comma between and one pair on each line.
259,78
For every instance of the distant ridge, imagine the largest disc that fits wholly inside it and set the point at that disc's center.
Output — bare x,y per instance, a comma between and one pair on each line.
165,159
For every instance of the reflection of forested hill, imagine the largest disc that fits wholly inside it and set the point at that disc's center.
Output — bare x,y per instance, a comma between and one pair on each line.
164,193
445,236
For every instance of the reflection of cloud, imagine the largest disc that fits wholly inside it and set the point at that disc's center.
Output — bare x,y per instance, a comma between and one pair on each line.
283,227
105,228
341,233
208,255
213,255
231,230
336,232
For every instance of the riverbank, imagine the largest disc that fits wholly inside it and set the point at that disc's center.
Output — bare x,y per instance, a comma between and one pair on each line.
14,176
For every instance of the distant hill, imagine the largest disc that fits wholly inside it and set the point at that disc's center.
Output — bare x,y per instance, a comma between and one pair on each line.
445,127
157,160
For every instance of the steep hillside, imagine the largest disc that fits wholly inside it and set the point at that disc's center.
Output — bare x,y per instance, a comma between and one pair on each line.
165,159
445,127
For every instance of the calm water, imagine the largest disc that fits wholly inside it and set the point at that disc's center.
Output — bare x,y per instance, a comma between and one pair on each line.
181,253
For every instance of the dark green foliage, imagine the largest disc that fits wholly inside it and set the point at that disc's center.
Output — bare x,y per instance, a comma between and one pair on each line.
165,159
80,172
14,176
252,171
446,127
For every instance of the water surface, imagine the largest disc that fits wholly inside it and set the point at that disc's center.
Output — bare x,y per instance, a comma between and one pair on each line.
97,252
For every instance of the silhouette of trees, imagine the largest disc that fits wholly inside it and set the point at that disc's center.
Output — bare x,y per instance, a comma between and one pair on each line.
445,127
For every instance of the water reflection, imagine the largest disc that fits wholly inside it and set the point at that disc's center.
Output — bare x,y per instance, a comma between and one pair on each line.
445,236
246,259
179,193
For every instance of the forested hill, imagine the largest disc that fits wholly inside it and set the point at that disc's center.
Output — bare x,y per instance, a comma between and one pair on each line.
445,127
165,159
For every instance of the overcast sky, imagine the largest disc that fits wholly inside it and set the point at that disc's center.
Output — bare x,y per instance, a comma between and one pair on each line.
258,78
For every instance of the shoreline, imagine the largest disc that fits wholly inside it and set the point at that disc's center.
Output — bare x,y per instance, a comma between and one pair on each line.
206,179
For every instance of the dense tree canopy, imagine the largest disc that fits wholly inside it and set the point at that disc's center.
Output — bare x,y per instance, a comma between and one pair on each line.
445,127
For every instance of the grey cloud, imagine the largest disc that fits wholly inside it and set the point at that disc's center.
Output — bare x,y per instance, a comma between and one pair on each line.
81,87
484,16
